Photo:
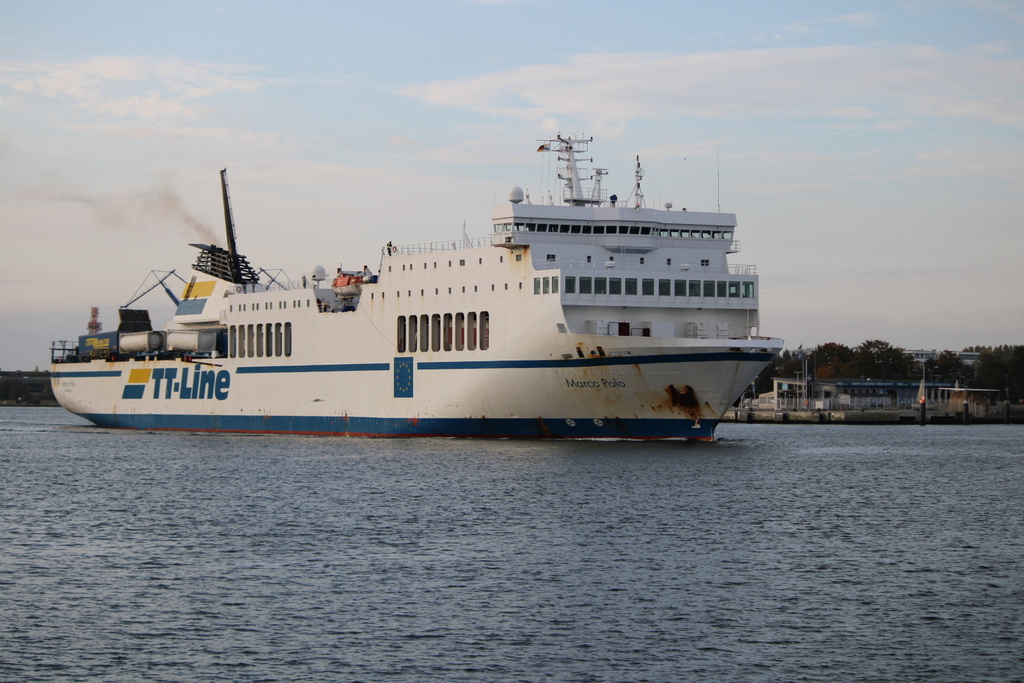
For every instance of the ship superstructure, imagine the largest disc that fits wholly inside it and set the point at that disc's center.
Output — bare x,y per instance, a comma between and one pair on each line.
591,318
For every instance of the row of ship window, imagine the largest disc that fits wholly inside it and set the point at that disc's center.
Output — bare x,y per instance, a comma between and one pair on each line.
462,262
656,231
268,305
647,287
437,291
450,332
263,340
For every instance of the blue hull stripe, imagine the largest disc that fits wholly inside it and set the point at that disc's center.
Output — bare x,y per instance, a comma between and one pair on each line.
350,367
91,373
731,356
551,428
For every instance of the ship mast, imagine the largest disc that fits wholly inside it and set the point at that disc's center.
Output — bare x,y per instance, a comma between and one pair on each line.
568,148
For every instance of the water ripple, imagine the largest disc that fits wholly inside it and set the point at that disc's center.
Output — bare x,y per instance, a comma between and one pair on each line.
778,553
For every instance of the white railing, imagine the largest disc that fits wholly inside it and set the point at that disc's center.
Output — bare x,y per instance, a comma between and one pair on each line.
634,265
450,245
276,286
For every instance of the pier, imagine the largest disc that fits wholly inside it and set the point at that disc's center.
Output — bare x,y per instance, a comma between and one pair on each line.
1001,414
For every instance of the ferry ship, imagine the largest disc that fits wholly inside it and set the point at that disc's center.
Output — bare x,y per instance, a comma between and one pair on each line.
586,318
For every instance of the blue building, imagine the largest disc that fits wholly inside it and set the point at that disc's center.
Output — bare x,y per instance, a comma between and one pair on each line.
836,393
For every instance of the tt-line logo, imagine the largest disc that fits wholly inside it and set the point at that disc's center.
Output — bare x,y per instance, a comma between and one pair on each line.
166,383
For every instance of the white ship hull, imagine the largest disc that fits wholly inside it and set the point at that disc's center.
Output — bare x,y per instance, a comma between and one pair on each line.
657,392
591,320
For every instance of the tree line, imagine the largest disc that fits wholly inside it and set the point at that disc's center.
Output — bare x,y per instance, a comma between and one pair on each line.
997,367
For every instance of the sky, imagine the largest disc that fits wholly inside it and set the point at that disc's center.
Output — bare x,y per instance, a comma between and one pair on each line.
873,152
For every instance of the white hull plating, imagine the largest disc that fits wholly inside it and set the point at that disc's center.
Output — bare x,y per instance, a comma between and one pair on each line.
584,329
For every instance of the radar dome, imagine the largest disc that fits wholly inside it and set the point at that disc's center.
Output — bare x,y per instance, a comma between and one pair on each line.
318,273
515,195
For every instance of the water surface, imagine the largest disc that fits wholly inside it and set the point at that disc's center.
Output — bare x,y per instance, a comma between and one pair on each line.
778,553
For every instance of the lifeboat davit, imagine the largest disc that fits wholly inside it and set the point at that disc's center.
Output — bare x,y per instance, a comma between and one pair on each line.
347,285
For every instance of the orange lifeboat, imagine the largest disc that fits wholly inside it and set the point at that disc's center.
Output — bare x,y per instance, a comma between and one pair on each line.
347,285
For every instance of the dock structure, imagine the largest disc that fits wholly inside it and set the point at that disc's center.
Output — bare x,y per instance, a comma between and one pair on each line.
1004,413
865,400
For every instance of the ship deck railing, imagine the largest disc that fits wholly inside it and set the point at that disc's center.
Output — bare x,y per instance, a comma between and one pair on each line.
447,245
634,266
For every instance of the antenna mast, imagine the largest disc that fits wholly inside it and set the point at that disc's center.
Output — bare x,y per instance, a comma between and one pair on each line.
718,174
636,190
568,148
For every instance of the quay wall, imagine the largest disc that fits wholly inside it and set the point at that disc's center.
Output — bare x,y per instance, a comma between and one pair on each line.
866,417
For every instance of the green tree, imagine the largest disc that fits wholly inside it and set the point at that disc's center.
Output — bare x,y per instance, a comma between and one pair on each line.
12,389
948,367
881,360
1000,367
832,360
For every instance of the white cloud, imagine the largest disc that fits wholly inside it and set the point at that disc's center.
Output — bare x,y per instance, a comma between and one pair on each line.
882,81
126,87
858,19
399,141
1001,164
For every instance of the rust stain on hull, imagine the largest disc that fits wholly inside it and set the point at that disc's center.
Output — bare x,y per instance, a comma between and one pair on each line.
685,400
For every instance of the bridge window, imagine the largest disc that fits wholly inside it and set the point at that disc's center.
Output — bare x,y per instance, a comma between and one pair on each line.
734,289
694,288
615,285
570,285
554,284
748,290
648,287
722,288
709,288
630,286
600,285
664,288
680,288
